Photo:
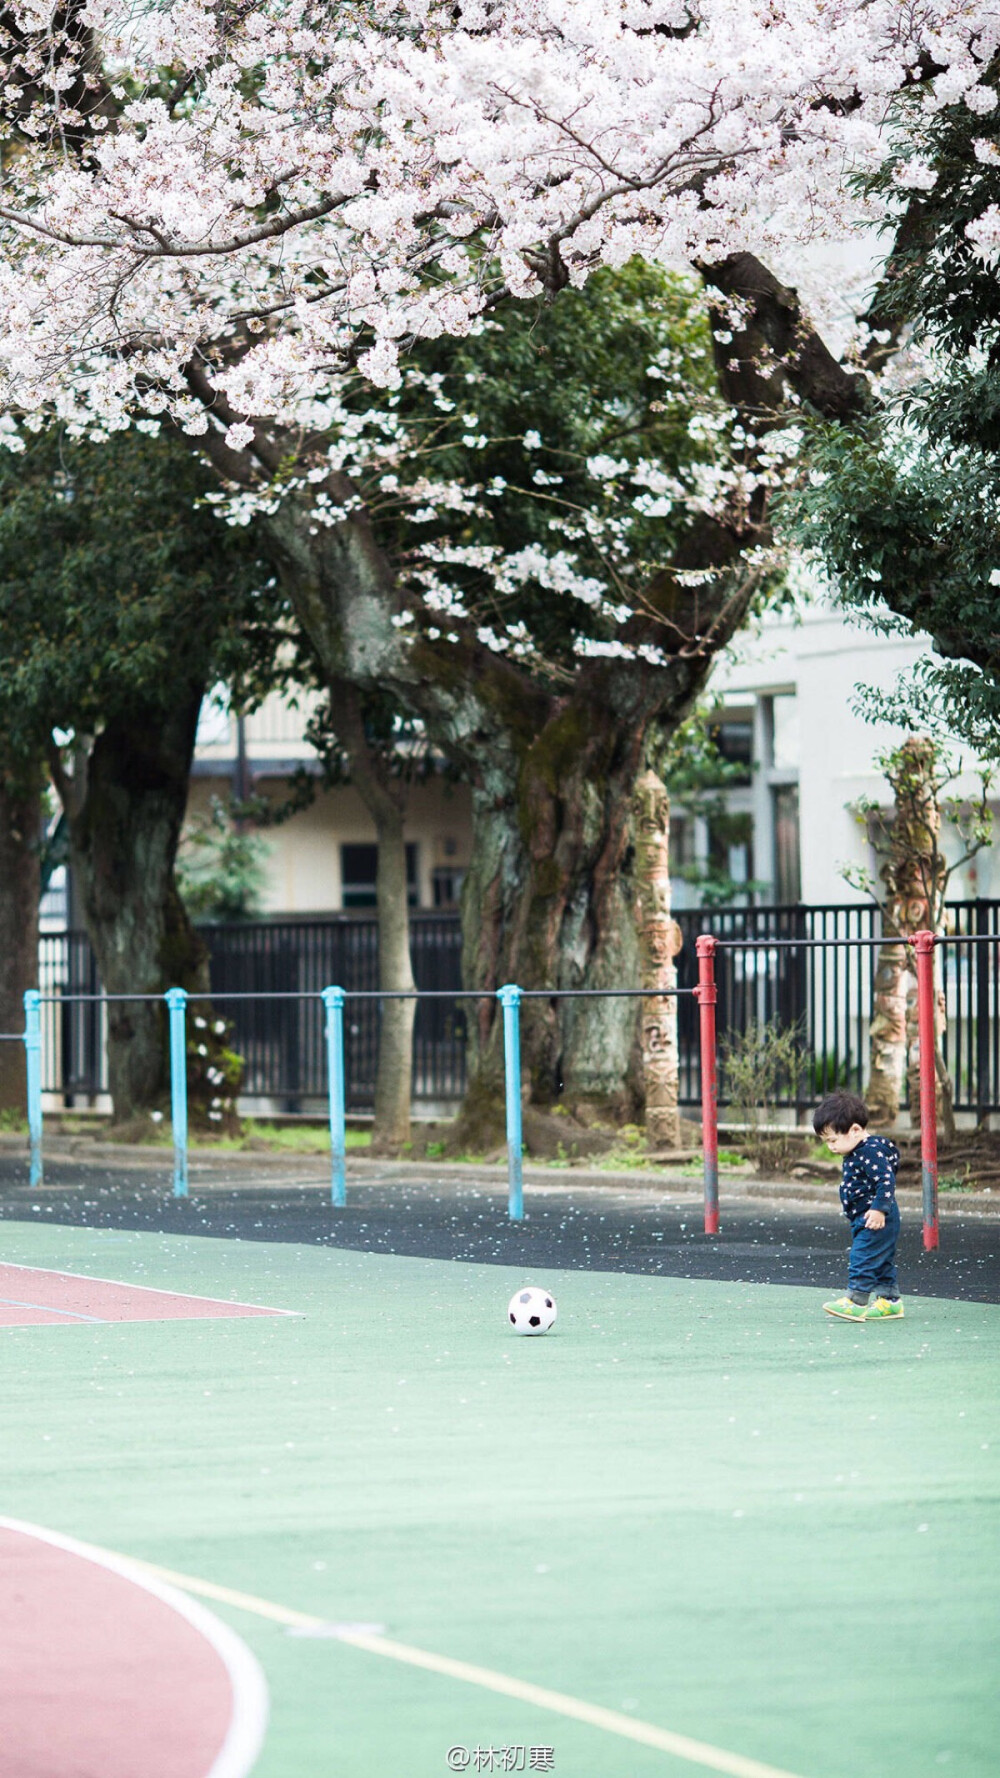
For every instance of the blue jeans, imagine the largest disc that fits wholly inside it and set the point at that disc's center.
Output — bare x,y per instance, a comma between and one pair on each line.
873,1257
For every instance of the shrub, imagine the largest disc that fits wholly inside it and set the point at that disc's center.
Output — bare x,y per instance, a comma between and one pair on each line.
761,1066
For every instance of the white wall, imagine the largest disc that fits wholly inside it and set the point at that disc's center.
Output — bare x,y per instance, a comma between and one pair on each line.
302,868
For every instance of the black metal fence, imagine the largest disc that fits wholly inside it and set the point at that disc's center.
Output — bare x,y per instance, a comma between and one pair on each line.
823,993
281,1041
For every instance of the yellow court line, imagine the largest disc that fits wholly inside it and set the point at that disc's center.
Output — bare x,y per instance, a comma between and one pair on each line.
697,1753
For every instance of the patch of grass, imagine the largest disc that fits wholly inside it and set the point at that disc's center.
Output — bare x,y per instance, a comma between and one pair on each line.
13,1122
621,1160
728,1157
761,1066
818,1151
283,1138
958,1182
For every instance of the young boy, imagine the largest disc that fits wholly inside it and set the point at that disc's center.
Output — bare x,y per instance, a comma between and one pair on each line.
868,1194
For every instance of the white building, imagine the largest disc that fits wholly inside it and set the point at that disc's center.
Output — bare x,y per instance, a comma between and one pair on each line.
786,693
322,859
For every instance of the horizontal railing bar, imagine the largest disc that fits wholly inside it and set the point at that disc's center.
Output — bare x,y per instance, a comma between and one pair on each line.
828,944
393,994
967,938
603,993
802,944
62,999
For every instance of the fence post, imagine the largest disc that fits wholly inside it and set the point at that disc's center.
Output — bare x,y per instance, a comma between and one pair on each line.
923,944
510,999
706,994
176,1000
333,1000
33,1069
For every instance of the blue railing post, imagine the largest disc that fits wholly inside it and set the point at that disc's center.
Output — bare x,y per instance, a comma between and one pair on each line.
33,1066
176,1000
510,999
333,1000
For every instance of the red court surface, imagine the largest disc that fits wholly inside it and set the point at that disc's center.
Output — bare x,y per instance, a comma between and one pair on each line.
107,1674
30,1297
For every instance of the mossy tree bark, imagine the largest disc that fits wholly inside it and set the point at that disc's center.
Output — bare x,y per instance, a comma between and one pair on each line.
20,887
125,804
547,904
550,898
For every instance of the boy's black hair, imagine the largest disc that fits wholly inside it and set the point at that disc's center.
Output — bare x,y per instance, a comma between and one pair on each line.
838,1111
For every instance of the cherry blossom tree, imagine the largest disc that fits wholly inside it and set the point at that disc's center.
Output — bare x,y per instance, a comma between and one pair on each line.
220,198
211,215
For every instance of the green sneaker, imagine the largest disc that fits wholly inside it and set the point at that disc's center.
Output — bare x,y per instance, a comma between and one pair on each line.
846,1309
884,1309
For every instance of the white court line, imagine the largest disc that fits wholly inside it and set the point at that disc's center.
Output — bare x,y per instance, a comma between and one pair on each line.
17,1302
156,1289
248,1720
614,1722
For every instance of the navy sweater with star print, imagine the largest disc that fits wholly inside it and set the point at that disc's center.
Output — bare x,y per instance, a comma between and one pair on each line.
868,1176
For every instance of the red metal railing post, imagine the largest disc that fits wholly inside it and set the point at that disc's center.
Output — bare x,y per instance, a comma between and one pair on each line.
923,944
706,947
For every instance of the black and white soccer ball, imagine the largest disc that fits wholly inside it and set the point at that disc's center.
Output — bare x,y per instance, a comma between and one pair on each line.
531,1311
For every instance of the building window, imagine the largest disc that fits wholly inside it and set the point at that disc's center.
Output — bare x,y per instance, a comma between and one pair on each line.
785,731
788,878
358,867
733,742
730,856
446,885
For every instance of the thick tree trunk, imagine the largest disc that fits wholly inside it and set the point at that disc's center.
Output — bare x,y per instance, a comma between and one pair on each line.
913,874
124,824
384,797
394,1078
887,1036
20,829
659,942
550,902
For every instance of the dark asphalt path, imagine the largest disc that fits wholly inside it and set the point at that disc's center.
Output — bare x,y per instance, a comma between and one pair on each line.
591,1230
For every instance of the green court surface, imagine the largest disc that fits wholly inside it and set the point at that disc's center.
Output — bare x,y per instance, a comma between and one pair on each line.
699,1505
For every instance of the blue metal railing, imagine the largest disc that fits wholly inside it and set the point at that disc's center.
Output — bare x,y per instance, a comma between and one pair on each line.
823,992
333,1000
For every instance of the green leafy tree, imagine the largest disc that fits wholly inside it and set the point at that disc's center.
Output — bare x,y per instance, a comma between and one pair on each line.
698,776
902,505
21,825
220,866
121,598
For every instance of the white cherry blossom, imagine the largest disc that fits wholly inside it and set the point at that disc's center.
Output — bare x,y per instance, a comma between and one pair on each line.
264,196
